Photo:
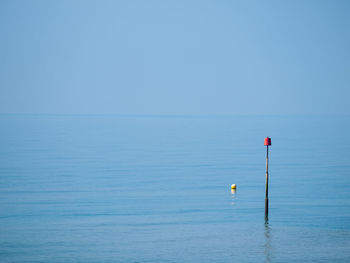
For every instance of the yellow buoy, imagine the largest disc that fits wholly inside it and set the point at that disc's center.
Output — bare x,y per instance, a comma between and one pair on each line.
233,186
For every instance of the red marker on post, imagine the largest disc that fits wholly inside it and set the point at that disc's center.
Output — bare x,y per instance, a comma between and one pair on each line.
267,143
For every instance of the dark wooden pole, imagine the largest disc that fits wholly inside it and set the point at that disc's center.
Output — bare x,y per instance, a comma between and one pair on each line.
267,184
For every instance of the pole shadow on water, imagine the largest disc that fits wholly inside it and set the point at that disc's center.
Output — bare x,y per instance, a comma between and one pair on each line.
267,245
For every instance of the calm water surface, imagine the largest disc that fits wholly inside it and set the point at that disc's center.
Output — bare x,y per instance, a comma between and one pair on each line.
157,189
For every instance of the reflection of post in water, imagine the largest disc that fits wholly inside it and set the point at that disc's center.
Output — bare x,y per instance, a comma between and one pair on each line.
267,246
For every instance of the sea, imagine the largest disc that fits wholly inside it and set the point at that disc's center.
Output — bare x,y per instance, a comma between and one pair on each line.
157,188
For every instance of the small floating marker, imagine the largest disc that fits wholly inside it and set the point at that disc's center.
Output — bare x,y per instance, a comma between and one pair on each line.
233,186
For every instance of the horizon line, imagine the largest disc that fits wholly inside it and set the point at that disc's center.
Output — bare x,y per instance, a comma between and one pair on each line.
174,114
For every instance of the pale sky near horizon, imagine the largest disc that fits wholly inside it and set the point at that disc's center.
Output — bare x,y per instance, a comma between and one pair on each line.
175,57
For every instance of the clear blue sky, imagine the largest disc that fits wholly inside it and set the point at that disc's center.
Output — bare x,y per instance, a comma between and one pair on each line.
175,57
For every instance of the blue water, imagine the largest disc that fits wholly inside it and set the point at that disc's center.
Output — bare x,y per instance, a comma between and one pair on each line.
157,188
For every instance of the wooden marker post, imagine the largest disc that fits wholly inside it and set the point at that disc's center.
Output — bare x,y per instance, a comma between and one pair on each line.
267,143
